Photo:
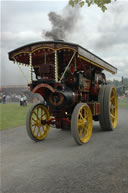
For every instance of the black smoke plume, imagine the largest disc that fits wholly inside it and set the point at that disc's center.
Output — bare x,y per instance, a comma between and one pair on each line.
62,24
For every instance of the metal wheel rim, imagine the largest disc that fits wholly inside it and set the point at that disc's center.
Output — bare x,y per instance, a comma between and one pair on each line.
39,113
84,124
113,108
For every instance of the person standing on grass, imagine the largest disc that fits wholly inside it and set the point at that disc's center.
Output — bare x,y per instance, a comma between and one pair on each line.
4,99
25,100
21,101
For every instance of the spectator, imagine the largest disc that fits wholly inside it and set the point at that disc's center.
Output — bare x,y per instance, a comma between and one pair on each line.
4,99
25,100
21,101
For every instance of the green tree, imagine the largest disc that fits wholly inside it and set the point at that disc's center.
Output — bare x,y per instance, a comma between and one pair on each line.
100,3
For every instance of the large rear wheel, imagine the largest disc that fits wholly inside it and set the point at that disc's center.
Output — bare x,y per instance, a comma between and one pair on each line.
81,123
109,108
101,101
36,122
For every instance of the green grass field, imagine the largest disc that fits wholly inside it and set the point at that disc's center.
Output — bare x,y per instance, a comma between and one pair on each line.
123,103
12,115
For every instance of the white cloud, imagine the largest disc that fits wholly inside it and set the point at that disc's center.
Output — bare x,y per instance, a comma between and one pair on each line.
10,36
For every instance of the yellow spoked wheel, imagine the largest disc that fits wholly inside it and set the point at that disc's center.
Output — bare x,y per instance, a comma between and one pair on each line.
36,123
81,123
108,108
113,108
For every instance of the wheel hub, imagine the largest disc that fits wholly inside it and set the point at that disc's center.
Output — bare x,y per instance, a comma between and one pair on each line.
38,123
83,124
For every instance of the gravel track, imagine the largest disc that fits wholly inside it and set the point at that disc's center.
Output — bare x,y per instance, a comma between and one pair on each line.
58,165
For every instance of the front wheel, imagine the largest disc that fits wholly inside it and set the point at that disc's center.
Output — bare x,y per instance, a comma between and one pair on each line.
81,123
36,122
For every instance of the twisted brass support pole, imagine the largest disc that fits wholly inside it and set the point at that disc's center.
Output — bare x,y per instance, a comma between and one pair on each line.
30,64
56,66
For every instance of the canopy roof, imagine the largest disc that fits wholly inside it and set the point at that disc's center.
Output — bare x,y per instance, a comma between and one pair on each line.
21,54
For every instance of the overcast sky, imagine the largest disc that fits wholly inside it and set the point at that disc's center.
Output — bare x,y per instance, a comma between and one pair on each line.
105,34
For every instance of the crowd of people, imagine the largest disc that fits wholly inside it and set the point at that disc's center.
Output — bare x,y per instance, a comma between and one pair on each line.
22,99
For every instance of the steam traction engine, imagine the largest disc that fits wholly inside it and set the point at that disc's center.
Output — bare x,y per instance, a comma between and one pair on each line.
73,85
